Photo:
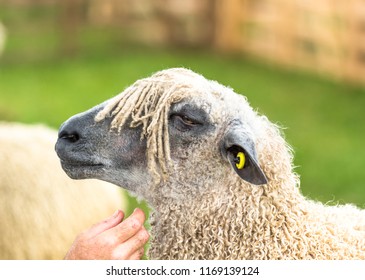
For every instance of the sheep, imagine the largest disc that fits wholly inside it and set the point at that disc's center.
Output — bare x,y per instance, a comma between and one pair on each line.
41,209
217,175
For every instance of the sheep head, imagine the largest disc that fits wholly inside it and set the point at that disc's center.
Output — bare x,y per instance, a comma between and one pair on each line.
172,129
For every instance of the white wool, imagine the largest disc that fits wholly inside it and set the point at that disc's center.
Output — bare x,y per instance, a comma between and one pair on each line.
203,209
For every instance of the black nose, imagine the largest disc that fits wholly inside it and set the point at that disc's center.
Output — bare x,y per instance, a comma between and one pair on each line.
71,137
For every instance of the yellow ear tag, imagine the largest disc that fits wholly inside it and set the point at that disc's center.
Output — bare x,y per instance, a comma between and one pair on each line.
241,160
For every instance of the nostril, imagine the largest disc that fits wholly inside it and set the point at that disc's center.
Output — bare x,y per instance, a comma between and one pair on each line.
71,137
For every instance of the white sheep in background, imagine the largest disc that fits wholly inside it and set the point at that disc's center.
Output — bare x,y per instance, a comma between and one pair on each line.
41,209
218,176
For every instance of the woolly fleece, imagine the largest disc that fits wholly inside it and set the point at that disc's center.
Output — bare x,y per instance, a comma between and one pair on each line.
201,208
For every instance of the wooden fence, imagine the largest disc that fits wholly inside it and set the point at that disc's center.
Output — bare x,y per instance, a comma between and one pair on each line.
326,36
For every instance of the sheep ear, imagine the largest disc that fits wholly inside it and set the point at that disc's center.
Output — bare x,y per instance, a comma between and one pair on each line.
240,151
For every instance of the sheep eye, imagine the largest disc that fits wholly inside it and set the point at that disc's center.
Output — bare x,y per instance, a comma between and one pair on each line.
188,121
183,122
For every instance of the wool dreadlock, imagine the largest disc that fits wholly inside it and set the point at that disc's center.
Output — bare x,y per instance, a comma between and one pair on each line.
147,103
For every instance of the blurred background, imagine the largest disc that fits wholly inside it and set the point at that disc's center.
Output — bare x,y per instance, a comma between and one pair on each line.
300,62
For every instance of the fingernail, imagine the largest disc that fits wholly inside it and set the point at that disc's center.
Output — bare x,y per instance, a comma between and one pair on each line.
116,213
135,210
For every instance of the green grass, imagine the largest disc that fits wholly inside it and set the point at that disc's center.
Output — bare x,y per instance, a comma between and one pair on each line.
324,120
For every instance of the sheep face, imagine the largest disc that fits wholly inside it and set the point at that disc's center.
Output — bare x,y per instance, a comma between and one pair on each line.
204,133
87,150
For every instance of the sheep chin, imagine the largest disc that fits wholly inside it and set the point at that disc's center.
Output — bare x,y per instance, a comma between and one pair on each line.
82,171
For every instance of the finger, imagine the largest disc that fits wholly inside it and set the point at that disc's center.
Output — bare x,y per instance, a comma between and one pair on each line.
137,255
106,224
132,245
139,215
130,226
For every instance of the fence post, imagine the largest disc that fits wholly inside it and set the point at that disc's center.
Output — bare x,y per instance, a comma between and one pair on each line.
228,15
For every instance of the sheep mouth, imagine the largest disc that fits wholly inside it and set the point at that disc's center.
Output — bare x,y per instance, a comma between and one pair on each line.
81,164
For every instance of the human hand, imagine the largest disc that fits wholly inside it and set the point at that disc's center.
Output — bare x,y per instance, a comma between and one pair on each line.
112,238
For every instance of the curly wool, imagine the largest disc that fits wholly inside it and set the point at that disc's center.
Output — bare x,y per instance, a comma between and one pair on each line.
274,221
203,210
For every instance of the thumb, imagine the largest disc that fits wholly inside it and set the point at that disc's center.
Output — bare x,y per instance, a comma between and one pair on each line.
106,224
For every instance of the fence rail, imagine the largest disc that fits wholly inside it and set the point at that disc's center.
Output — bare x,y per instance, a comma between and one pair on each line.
324,36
